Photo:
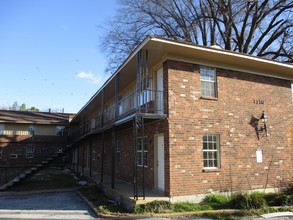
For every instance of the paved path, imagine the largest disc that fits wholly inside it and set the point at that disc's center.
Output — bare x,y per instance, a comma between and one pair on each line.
64,205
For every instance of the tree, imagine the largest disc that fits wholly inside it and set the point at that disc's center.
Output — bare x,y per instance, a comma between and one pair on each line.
16,107
262,28
22,107
32,109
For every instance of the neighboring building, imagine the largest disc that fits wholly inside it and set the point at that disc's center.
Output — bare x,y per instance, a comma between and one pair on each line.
28,137
186,120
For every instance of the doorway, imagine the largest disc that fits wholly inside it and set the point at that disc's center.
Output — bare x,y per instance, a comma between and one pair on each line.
159,162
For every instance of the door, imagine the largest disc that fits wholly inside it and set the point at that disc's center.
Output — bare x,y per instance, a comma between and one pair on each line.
159,92
160,169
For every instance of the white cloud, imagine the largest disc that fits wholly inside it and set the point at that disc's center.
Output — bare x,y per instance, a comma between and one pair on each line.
89,76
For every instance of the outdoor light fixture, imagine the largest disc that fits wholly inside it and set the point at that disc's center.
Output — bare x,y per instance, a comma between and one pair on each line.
264,119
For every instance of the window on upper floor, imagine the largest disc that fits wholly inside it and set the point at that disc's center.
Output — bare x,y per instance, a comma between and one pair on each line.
31,129
2,128
145,95
211,151
60,130
208,81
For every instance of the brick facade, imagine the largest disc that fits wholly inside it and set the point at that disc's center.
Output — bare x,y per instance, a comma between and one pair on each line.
230,115
43,146
246,87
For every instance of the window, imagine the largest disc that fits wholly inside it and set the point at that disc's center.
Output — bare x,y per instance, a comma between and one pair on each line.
142,152
208,81
60,130
118,151
29,152
31,130
211,151
94,154
1,151
2,128
145,95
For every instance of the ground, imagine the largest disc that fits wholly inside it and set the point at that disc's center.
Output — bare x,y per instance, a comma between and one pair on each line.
52,194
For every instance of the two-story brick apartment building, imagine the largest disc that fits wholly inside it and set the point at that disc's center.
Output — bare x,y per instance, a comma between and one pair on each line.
28,137
188,120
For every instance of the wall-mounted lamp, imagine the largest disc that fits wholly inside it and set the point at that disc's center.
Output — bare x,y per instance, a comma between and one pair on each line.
264,119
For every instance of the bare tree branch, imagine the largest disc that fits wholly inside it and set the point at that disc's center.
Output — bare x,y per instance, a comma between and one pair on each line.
262,27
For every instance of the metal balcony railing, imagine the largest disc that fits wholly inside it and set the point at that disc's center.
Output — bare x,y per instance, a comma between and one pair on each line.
146,102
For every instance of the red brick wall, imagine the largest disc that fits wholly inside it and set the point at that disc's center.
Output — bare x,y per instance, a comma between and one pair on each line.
124,168
43,147
230,115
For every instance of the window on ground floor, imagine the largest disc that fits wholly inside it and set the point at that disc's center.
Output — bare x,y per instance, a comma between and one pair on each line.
29,152
94,153
142,152
211,151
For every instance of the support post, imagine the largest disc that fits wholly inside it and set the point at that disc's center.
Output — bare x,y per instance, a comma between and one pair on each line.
117,79
135,190
143,162
90,156
113,159
103,136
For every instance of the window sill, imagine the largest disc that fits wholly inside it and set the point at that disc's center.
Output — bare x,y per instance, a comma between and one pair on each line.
209,98
211,170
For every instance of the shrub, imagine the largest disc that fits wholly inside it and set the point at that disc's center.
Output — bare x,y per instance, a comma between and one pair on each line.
217,201
188,207
154,207
254,200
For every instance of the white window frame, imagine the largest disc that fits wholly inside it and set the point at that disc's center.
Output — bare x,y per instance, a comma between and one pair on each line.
30,152
94,154
60,130
208,76
2,129
142,154
31,130
146,95
211,151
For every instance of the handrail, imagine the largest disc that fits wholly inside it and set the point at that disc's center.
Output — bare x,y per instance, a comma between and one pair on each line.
147,101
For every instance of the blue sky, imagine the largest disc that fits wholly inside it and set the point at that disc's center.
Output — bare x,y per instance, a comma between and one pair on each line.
49,52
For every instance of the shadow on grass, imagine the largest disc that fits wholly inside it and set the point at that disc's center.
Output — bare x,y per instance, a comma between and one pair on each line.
48,178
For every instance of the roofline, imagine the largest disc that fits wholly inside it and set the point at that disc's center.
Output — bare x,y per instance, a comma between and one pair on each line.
187,45
222,51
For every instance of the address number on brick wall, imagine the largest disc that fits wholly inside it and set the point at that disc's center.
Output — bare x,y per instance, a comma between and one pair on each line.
258,101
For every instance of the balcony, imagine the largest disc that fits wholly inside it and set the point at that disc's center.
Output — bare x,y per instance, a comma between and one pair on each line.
148,104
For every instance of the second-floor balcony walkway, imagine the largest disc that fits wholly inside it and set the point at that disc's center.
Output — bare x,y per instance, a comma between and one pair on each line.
148,104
